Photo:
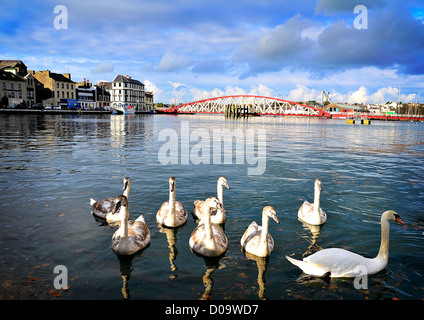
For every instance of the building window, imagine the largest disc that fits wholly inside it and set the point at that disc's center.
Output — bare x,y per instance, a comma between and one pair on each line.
12,86
67,86
4,85
19,86
57,85
63,86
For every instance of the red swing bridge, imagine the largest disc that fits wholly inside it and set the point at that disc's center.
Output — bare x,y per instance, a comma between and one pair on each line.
245,105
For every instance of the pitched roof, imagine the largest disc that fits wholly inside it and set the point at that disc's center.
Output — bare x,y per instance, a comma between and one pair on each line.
4,75
60,77
10,63
121,78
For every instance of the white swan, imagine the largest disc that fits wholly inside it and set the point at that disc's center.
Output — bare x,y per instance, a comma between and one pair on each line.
343,263
256,239
131,236
209,239
172,213
104,208
217,216
311,212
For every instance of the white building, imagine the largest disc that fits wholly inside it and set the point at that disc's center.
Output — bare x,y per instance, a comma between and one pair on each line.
128,91
86,95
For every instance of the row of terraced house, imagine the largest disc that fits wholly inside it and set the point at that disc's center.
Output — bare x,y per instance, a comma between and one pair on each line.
18,85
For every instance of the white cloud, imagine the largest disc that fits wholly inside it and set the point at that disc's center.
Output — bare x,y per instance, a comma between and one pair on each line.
262,90
150,86
173,62
302,93
359,96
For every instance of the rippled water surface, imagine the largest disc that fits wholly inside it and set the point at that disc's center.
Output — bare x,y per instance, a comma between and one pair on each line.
52,164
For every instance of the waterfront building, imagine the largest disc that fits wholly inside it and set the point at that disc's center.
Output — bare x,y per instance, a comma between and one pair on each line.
343,107
127,91
102,95
17,67
13,88
86,95
61,86
31,94
149,101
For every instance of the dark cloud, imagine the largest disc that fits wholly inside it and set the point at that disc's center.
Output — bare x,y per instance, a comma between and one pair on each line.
394,39
333,7
285,41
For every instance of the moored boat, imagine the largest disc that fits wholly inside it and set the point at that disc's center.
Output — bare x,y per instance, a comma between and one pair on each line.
123,109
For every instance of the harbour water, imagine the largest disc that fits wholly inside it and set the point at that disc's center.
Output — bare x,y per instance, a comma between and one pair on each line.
52,164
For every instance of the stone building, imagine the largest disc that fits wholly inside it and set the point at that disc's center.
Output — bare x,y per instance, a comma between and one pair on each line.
61,86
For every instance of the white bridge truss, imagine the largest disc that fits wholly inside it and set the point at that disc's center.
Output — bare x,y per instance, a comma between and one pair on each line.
254,104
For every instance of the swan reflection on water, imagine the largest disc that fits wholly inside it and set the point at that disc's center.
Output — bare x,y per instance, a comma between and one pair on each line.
211,264
261,263
126,268
315,230
171,237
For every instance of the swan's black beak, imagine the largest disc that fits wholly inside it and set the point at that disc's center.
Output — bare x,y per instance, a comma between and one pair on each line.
125,186
172,186
226,184
117,207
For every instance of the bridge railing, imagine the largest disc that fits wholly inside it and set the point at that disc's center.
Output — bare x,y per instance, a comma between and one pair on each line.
256,104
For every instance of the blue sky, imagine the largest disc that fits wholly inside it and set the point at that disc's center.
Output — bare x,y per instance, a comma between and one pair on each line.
186,50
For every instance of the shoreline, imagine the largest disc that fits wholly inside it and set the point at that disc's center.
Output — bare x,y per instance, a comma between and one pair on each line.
76,112
79,112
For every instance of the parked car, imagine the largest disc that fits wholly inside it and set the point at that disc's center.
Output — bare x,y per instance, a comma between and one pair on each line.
37,107
17,106
56,108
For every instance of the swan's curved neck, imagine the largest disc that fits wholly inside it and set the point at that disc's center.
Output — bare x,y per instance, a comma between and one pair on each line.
127,189
124,222
219,191
383,253
317,195
264,233
220,194
172,204
210,240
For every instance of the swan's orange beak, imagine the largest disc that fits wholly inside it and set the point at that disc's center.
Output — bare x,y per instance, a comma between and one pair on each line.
220,207
397,219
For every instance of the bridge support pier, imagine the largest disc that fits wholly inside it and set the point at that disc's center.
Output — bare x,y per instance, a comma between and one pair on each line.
233,111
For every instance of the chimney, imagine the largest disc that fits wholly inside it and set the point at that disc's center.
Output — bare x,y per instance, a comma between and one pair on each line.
67,75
